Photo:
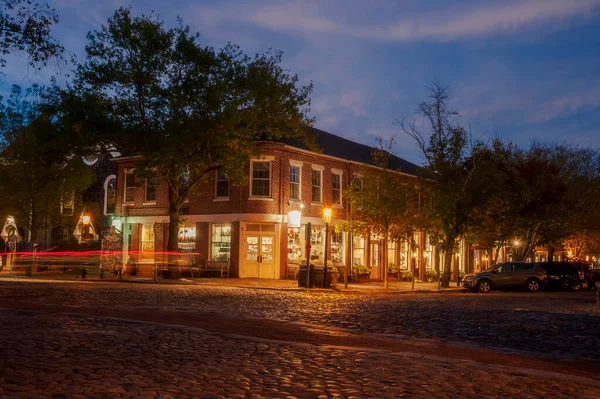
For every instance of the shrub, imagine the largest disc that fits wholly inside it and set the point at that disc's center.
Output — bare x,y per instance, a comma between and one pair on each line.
361,269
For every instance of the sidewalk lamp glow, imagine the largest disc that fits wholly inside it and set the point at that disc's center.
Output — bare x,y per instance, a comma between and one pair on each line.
85,219
516,243
327,215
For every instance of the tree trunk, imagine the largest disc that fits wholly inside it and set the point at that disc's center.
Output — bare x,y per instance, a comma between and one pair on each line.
385,262
172,239
447,264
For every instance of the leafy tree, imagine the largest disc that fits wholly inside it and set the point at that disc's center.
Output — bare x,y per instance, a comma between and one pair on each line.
452,194
383,203
557,186
37,168
494,219
186,109
26,27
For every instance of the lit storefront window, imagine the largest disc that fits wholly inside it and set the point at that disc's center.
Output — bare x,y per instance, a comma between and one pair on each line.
317,243
428,254
294,245
186,240
358,251
220,242
337,247
404,255
392,253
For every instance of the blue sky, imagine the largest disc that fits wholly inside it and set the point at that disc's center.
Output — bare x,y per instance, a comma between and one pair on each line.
517,69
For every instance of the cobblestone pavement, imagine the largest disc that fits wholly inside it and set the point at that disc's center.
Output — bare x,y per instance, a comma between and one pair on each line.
62,356
563,324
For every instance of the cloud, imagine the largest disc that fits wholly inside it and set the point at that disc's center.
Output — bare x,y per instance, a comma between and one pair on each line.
443,24
565,105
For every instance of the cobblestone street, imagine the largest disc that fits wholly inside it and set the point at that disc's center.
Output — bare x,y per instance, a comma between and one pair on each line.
86,351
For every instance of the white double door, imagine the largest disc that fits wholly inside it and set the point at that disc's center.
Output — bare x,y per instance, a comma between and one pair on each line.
259,255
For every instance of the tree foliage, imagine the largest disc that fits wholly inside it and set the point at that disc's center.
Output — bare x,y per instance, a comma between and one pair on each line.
37,168
26,28
187,109
383,202
452,195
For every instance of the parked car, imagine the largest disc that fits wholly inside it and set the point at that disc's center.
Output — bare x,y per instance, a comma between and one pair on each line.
591,276
507,275
563,275
595,278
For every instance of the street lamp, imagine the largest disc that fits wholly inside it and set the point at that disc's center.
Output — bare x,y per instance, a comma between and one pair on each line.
327,218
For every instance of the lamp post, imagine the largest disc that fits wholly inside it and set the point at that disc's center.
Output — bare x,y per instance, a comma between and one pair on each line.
327,218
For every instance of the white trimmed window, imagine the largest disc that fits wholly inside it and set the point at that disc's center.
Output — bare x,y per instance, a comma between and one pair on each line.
295,182
150,196
317,186
336,188
110,194
222,186
261,179
67,205
129,187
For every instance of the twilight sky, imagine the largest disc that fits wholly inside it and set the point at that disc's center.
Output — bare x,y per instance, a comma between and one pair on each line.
518,69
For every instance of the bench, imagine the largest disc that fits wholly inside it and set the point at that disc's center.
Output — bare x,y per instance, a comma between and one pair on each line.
291,271
216,266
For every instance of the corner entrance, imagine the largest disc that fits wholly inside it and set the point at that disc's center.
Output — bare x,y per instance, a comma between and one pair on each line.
259,245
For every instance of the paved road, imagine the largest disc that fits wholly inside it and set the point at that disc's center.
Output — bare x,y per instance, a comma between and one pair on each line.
519,321
48,354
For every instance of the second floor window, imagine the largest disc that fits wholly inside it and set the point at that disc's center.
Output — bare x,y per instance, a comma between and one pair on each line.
129,186
67,205
150,192
336,189
110,195
316,186
295,182
222,190
261,179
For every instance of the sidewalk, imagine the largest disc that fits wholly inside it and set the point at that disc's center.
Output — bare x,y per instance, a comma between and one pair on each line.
287,285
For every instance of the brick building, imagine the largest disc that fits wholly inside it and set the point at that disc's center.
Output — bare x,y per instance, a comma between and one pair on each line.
248,225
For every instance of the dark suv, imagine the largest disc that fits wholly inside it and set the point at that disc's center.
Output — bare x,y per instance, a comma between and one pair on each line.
507,275
563,275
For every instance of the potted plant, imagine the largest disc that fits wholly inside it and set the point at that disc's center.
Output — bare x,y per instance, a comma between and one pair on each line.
393,269
431,276
406,276
363,273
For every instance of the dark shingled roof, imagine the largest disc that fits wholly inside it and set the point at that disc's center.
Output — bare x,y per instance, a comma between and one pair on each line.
340,147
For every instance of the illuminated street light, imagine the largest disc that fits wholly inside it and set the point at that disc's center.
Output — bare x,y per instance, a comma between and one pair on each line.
327,215
85,219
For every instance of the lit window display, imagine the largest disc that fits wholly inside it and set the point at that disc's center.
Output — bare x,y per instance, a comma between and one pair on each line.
428,254
404,255
337,247
358,251
186,240
392,253
317,243
220,242
294,245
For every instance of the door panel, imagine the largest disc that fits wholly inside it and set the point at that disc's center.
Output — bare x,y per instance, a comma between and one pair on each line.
251,261
267,253
258,258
